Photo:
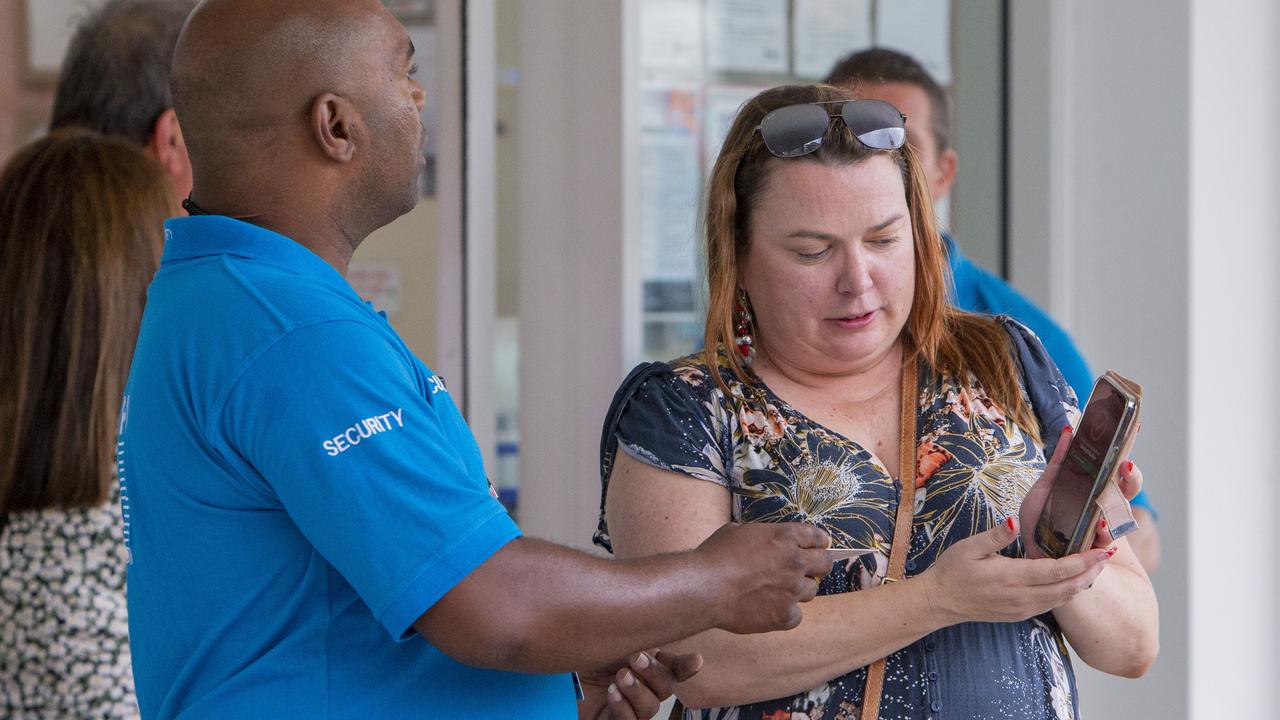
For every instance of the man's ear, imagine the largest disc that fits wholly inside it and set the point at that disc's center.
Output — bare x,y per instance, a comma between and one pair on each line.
948,163
335,122
169,149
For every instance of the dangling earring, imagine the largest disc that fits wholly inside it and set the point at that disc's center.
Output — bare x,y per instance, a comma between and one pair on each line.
745,326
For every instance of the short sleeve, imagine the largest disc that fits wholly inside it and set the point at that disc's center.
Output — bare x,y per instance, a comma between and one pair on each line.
1051,396
369,462
669,421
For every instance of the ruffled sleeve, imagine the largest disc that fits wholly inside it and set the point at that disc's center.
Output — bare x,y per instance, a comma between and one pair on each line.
668,419
1051,396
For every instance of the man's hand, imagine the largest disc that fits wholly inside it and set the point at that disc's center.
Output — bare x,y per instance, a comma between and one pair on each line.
762,571
635,690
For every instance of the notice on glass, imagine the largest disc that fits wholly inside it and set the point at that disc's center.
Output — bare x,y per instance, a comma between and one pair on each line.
670,182
824,31
920,28
747,36
719,109
671,34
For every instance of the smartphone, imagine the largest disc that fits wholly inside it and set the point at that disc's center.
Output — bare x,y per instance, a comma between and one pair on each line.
1085,488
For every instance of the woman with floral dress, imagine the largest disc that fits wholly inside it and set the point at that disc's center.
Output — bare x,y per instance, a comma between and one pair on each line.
81,229
827,283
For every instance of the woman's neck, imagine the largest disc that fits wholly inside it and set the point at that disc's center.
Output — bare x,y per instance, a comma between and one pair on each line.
858,384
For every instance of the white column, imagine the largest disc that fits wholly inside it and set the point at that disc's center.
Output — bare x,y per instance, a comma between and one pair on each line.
466,172
450,264
572,257
1234,181
481,230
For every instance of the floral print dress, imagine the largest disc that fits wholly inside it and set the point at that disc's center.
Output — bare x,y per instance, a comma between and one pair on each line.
64,628
974,467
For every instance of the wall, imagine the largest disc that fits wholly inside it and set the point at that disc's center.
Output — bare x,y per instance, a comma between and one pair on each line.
23,104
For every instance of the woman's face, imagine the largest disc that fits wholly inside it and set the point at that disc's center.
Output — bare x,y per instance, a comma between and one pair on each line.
830,267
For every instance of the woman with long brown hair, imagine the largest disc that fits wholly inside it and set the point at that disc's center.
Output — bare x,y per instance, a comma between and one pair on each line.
81,230
838,387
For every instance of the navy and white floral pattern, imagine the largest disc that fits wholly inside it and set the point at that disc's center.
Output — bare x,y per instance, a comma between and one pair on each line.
64,632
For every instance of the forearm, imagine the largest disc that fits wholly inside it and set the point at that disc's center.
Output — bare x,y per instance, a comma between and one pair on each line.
1114,625
581,611
560,609
839,634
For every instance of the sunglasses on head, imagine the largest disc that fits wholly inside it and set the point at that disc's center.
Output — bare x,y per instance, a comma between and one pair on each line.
797,130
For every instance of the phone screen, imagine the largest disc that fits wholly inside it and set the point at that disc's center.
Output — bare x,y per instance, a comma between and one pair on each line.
1074,487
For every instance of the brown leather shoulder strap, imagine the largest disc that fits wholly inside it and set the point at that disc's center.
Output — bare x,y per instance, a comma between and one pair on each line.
902,523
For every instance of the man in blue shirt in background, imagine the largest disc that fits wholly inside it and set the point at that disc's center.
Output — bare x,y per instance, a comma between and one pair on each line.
311,531
896,78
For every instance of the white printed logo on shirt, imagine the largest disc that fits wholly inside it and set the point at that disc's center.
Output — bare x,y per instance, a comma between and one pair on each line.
363,429
125,510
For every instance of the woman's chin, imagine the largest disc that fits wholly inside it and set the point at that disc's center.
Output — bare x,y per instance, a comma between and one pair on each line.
854,356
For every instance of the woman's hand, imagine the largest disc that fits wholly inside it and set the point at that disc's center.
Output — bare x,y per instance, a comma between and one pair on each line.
1033,503
974,582
1130,479
1130,483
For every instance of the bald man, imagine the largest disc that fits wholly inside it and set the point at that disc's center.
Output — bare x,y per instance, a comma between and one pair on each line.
310,527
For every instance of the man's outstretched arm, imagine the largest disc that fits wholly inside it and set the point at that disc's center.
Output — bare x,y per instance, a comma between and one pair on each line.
541,608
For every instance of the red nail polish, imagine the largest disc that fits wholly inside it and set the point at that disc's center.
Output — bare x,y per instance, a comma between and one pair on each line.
1011,523
1111,552
1067,429
1128,470
1102,523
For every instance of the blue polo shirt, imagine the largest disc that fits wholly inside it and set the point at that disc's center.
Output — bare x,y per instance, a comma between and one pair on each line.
977,290
298,489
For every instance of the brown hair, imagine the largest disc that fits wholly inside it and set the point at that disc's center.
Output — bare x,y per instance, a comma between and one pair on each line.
949,339
81,227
